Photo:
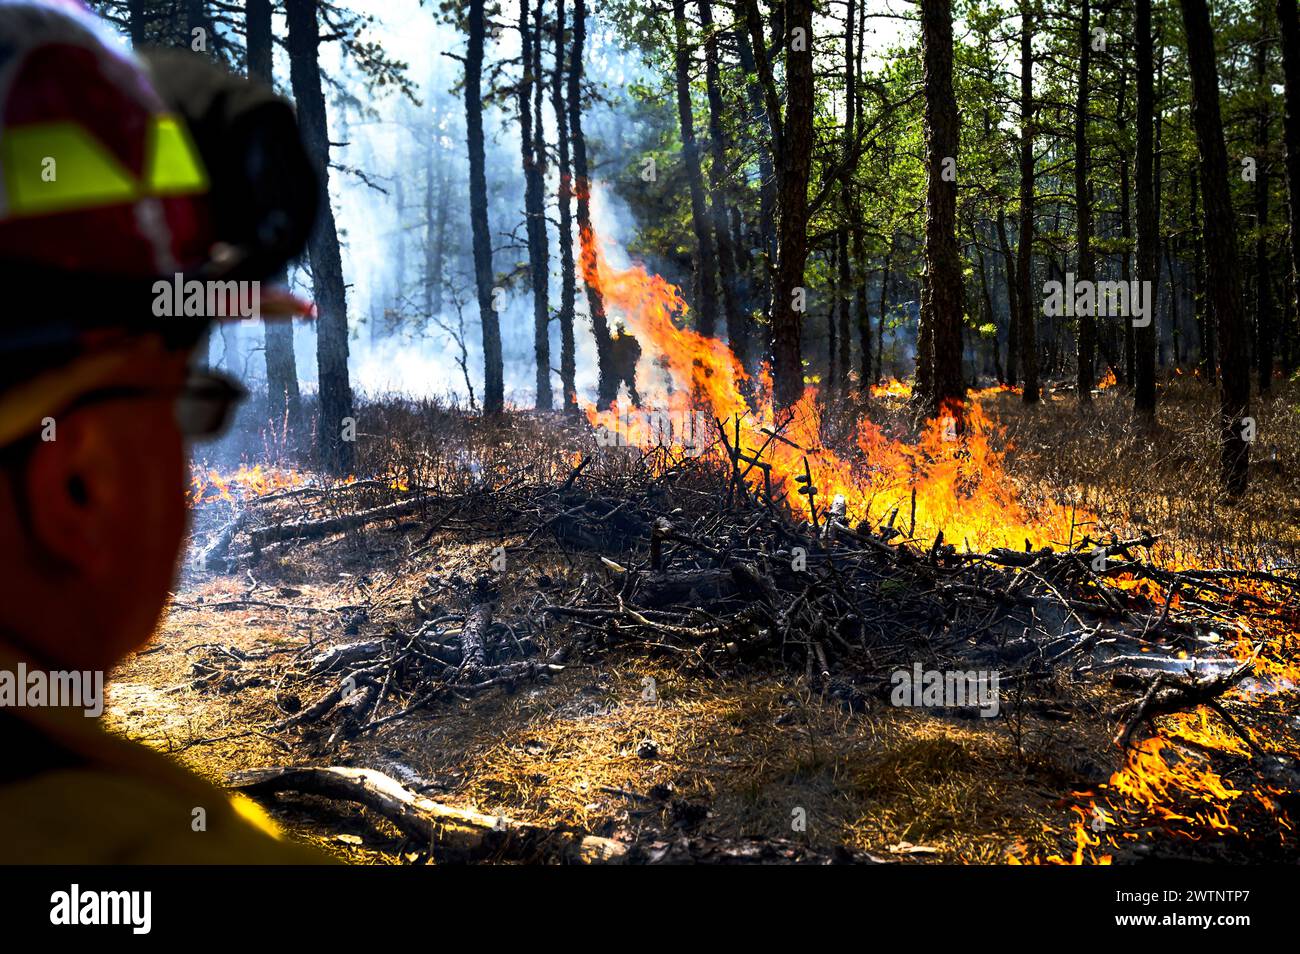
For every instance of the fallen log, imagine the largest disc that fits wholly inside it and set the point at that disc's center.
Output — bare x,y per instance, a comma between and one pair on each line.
473,640
461,835
455,835
311,529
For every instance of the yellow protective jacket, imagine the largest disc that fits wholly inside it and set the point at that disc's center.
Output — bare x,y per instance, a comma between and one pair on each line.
71,793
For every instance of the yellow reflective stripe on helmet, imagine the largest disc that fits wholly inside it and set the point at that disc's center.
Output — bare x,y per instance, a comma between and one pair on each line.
58,167
172,166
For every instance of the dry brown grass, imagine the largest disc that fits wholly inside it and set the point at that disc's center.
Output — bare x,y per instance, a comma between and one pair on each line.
1164,478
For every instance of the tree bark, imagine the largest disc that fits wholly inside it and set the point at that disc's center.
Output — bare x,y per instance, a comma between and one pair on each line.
939,351
720,217
765,141
1144,384
1264,327
1086,356
530,39
795,163
436,203
1223,279
493,372
1204,321
284,401
704,259
568,279
1289,28
1013,301
1027,330
336,454
844,283
607,387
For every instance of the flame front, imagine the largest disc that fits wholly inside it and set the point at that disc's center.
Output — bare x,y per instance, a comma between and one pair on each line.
951,478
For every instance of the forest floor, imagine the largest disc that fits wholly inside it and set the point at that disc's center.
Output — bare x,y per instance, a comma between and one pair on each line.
756,750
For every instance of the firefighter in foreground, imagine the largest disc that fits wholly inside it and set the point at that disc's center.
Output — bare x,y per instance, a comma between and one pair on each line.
115,175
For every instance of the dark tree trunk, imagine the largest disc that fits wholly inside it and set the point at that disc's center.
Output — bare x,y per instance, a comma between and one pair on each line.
1027,331
607,387
568,281
844,283
766,167
1264,327
336,454
704,260
885,272
436,203
795,163
720,210
1220,247
939,349
530,38
284,402
1086,357
1144,384
1204,320
1013,302
493,373
1289,27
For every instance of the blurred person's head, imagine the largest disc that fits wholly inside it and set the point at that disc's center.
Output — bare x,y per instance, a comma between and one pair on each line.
92,513
118,177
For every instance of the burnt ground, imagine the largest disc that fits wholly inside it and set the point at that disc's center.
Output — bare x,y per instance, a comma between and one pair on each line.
635,733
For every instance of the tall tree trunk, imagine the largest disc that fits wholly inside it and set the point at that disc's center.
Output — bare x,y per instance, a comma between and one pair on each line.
1144,385
284,401
568,281
1086,357
336,454
938,374
1013,301
766,167
1264,329
534,204
1221,248
493,372
858,226
607,387
436,204
795,162
705,260
844,282
1204,320
885,271
720,210
1028,336
1289,27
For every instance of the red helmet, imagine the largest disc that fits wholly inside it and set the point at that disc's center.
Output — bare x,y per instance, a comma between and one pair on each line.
99,176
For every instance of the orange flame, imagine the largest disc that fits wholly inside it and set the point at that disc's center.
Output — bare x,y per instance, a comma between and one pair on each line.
953,474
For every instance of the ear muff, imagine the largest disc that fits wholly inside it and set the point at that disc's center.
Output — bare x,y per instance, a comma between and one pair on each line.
263,190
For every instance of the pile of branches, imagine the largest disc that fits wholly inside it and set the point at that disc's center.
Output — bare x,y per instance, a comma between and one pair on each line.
691,559
697,564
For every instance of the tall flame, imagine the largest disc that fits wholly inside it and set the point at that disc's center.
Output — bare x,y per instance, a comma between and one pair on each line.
951,479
